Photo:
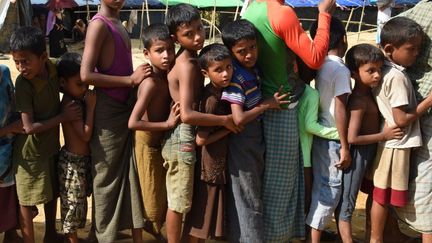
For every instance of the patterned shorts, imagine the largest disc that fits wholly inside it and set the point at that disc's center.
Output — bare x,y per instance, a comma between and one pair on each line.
75,183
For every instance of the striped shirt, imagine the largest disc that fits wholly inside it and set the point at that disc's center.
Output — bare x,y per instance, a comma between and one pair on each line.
244,88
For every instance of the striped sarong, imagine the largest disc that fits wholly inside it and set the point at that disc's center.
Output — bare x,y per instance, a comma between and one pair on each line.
116,192
283,184
418,212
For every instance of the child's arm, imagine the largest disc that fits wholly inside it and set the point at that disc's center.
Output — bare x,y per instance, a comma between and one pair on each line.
187,113
342,127
84,129
403,118
357,112
146,91
97,33
242,117
71,112
14,127
204,138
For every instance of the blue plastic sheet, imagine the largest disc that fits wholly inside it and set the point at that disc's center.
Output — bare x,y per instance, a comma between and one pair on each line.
345,3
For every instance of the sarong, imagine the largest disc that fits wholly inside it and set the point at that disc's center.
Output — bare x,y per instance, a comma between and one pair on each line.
417,213
116,192
283,184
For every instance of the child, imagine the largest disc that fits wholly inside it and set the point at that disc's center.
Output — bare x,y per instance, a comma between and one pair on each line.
207,216
186,83
330,157
401,39
107,64
8,202
246,148
150,118
74,159
35,152
365,62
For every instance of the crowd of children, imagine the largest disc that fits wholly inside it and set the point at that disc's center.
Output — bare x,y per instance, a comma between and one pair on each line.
155,146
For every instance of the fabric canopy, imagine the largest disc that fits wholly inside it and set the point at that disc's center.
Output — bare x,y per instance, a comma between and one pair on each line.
206,3
346,3
128,3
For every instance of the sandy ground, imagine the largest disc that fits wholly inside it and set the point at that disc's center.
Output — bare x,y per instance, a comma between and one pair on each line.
359,216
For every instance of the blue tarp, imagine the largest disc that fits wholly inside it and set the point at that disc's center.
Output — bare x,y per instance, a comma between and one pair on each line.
346,3
128,3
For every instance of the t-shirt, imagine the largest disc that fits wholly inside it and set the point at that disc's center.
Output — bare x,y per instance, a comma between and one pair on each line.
244,88
7,115
213,156
333,79
394,91
41,98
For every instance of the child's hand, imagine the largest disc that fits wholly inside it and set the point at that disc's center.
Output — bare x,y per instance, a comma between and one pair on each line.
327,6
230,125
345,159
71,112
142,72
277,100
17,127
392,132
174,115
90,98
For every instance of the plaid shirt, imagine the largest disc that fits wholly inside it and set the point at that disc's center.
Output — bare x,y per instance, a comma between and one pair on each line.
421,72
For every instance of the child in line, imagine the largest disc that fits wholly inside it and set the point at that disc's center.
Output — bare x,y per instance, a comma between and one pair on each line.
246,148
35,152
365,62
74,166
207,216
401,40
107,64
8,127
186,83
151,117
330,157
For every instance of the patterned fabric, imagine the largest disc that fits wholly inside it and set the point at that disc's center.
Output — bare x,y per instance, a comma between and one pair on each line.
74,187
244,88
283,183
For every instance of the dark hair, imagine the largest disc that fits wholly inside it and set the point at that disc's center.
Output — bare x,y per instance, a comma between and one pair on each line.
68,65
155,32
361,54
181,14
211,53
337,32
400,30
28,39
236,31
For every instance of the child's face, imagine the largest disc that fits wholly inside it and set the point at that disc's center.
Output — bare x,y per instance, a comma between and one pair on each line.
114,4
219,72
29,64
161,54
406,54
369,74
191,36
74,87
246,52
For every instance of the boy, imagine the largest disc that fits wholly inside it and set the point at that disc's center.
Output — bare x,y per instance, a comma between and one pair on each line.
186,83
150,118
35,152
74,158
401,39
330,157
207,216
8,127
365,62
246,148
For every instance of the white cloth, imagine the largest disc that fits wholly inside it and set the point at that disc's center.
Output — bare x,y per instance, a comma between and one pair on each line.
133,20
396,90
333,79
4,6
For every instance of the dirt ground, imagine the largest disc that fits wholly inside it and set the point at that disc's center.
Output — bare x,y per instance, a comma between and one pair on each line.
359,216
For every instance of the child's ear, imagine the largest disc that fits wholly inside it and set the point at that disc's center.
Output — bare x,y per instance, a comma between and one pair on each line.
204,72
62,84
355,75
388,49
174,38
146,53
44,56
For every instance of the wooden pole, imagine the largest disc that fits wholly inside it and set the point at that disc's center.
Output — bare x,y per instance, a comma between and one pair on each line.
142,25
361,20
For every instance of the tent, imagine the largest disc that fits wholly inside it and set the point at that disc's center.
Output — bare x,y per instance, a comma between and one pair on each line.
205,3
345,3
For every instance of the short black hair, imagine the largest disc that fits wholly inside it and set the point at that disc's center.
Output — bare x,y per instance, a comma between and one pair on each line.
400,30
361,54
236,31
155,32
68,65
211,53
28,39
337,31
179,14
